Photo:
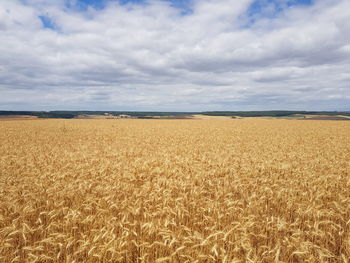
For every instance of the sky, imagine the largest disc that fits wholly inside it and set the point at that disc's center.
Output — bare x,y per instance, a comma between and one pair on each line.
175,55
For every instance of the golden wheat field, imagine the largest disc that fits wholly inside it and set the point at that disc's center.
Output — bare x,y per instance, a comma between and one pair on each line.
174,191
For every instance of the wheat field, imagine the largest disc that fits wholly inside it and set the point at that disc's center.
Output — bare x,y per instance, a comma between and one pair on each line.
174,191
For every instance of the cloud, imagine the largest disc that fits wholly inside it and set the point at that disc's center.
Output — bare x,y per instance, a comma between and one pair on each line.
151,55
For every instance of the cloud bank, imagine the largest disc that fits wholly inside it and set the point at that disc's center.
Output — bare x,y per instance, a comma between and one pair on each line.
175,55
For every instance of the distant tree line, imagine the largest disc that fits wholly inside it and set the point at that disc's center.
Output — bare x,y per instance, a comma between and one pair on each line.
146,114
272,113
41,114
72,114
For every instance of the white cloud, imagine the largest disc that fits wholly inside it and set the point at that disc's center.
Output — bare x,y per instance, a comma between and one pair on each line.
151,57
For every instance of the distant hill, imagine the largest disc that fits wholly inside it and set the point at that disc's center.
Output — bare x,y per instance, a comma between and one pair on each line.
149,114
275,113
73,114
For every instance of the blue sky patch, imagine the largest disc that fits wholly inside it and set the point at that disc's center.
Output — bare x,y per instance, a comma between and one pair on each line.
271,8
183,5
100,4
82,5
47,22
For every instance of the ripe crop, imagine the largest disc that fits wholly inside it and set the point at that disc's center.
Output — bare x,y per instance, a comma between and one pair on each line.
174,191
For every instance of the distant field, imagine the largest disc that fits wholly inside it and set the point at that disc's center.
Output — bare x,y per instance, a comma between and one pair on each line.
176,117
317,115
213,190
17,117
